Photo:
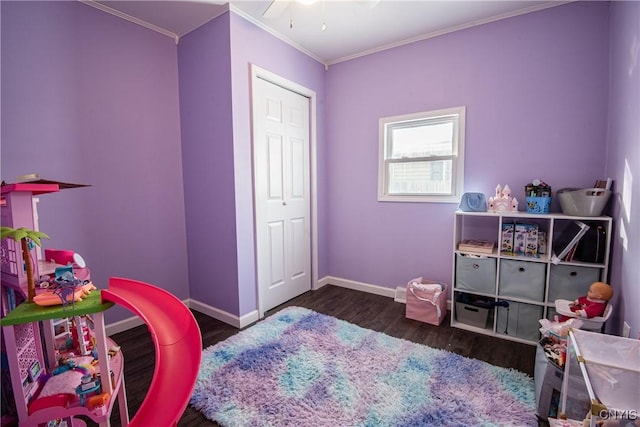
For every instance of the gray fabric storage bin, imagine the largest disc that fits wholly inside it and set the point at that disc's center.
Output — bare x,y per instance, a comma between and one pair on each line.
472,315
570,281
519,320
476,274
522,279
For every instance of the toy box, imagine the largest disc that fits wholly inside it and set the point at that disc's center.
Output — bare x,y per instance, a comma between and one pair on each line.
542,242
531,241
519,238
506,240
525,239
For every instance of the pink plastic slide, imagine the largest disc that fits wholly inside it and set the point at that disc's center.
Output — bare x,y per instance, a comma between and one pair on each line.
178,344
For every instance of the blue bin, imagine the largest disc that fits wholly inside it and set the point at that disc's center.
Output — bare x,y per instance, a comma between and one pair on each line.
538,205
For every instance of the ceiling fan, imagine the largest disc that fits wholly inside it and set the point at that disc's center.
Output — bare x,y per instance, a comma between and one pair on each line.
276,8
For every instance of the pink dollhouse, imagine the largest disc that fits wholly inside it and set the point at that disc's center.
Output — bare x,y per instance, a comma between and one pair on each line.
50,382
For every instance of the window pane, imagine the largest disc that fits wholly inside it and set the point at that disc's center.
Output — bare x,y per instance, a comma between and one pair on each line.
422,140
420,177
422,156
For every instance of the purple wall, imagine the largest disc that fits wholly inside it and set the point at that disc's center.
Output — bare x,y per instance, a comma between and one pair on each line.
207,149
535,88
88,97
214,63
623,145
80,103
251,45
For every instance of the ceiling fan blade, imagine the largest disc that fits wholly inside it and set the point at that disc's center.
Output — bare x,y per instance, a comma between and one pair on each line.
369,4
275,9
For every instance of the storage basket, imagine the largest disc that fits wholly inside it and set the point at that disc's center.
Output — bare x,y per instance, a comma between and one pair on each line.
538,204
472,314
474,310
426,301
583,202
476,273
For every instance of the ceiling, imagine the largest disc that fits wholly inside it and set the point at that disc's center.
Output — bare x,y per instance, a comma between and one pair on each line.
352,28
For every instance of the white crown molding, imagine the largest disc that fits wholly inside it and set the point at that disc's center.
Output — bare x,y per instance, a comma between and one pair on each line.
130,18
254,21
223,10
274,33
451,30
143,23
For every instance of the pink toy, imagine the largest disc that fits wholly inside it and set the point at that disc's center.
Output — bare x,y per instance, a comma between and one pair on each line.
67,257
502,201
178,344
591,305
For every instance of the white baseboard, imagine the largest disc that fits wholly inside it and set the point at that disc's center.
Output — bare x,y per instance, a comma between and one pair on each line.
128,323
359,286
253,316
399,294
123,325
223,316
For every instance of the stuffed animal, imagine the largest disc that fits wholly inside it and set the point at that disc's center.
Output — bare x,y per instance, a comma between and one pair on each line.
594,303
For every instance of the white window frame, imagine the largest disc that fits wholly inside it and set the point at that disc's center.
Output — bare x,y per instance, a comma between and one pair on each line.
386,124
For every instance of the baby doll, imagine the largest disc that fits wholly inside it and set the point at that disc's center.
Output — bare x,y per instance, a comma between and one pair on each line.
594,303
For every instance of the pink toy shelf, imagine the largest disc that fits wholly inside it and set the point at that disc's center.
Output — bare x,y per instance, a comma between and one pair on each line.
41,397
87,387
174,330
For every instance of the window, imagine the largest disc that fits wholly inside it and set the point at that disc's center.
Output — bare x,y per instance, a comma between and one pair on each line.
422,157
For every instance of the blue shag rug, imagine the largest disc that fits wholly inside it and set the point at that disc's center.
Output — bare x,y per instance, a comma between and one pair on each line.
301,368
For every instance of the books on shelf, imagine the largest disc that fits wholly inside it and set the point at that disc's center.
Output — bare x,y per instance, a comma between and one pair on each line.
481,246
565,242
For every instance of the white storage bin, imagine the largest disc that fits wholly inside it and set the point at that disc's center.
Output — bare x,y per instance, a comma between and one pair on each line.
609,368
583,202
570,281
476,273
522,279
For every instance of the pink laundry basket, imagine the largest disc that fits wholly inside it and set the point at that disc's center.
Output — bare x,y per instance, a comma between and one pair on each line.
426,301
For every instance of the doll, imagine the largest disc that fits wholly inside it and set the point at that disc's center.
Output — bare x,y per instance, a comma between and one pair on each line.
594,303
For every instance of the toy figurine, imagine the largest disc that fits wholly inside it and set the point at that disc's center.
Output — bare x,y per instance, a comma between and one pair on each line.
503,202
594,303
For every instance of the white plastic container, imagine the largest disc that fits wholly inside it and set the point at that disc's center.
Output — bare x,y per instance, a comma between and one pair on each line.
607,369
583,202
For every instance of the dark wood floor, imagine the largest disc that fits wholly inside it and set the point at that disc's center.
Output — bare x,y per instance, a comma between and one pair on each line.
370,311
